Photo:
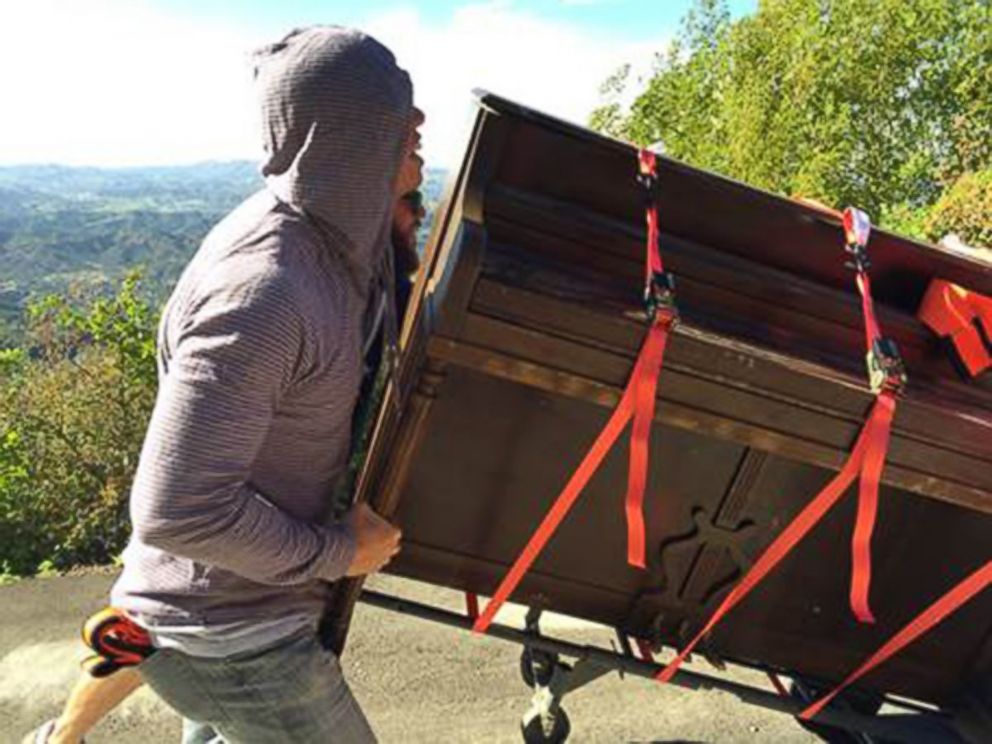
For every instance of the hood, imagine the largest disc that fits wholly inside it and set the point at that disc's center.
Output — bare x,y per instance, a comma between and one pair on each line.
336,112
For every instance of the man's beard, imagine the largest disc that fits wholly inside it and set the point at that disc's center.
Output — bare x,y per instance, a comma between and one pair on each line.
405,254
405,244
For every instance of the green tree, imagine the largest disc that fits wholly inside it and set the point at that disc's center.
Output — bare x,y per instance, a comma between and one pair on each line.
880,103
965,210
74,404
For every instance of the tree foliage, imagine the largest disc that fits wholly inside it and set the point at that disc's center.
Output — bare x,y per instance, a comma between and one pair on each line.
881,103
74,403
965,209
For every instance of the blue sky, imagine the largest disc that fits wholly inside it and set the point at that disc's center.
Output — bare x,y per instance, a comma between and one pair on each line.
131,82
624,19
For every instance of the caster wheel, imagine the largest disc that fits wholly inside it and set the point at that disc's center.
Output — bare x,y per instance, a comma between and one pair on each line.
536,667
534,732
834,734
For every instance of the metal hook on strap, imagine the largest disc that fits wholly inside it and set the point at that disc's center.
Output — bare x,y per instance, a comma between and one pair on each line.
886,369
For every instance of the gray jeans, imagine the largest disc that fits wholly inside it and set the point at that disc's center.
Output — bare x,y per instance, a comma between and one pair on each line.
292,691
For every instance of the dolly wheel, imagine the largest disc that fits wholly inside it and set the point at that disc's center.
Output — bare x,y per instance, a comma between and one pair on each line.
537,667
859,702
534,732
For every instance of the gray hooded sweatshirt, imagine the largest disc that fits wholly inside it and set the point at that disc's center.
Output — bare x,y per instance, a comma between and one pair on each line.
260,351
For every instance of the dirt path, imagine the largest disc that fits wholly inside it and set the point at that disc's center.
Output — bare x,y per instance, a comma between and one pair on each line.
417,682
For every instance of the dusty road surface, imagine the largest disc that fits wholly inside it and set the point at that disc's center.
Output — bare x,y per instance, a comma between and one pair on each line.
418,682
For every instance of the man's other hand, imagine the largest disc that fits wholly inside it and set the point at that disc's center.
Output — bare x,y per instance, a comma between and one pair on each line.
376,540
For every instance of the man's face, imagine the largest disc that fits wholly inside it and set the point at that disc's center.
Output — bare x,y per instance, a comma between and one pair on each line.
411,174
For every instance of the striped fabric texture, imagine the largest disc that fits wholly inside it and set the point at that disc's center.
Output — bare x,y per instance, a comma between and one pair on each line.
260,351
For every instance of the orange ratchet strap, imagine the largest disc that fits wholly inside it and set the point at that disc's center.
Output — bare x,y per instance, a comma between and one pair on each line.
964,317
887,378
636,404
116,642
921,624
867,459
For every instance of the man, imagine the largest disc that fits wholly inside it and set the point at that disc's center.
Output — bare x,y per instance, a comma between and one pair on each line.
261,352
94,698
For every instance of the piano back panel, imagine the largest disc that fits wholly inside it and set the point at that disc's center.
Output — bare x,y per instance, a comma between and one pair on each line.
529,330
495,455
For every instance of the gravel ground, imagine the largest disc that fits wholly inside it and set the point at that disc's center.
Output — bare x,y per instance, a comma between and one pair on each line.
418,682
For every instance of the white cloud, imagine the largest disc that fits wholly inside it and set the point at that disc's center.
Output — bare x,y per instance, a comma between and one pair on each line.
549,66
121,82
115,82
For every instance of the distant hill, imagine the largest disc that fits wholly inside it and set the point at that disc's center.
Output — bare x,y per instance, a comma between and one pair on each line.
212,184
63,226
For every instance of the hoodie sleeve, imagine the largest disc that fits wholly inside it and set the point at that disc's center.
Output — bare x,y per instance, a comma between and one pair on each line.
235,355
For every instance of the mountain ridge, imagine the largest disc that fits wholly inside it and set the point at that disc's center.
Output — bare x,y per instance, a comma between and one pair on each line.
67,228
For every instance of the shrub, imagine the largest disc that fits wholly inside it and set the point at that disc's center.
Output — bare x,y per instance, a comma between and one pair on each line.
74,404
